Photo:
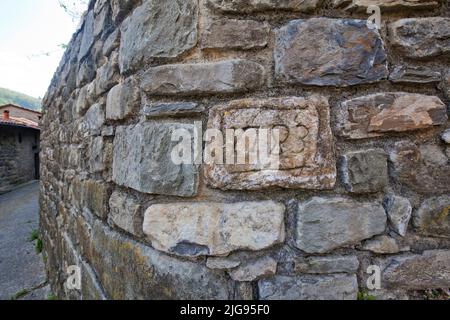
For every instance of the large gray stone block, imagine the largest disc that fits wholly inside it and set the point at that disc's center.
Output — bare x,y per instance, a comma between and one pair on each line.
142,160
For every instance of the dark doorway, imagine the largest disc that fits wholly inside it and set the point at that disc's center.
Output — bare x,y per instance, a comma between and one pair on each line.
36,166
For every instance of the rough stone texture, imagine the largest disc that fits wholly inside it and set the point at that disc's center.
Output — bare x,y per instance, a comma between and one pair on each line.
142,160
129,270
378,114
424,169
194,229
254,270
107,75
235,34
365,171
324,224
433,217
222,263
257,5
399,211
94,118
306,147
419,75
154,31
421,37
446,84
122,100
386,5
445,136
329,52
176,109
136,70
95,197
123,210
203,78
381,244
332,287
414,272
327,264
88,36
121,7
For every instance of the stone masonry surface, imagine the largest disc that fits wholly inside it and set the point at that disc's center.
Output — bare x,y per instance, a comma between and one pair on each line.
364,153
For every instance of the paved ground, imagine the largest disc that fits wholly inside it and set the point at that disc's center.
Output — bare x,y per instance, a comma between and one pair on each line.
21,268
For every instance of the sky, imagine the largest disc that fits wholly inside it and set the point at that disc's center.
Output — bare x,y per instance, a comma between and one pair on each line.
28,30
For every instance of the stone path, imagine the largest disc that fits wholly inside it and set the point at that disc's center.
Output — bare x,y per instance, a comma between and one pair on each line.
22,274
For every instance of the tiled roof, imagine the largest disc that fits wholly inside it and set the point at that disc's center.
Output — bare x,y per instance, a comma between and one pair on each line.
21,122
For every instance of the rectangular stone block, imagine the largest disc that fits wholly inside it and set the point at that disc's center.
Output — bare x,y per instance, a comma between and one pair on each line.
193,229
124,209
421,38
95,197
251,6
385,5
142,160
235,34
172,109
329,52
228,76
422,168
122,100
309,287
131,271
365,171
306,157
327,264
325,224
420,75
428,270
155,31
379,114
433,217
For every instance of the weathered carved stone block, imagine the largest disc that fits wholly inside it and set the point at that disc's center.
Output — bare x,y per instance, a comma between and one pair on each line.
142,160
235,34
306,157
203,78
421,37
158,31
365,171
329,52
194,229
378,114
309,287
324,224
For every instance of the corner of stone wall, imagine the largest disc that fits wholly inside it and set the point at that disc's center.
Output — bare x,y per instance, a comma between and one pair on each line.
364,153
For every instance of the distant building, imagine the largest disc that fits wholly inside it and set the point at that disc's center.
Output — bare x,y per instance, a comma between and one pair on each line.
19,146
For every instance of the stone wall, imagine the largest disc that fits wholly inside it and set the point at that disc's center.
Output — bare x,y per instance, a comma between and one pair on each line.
18,147
364,155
